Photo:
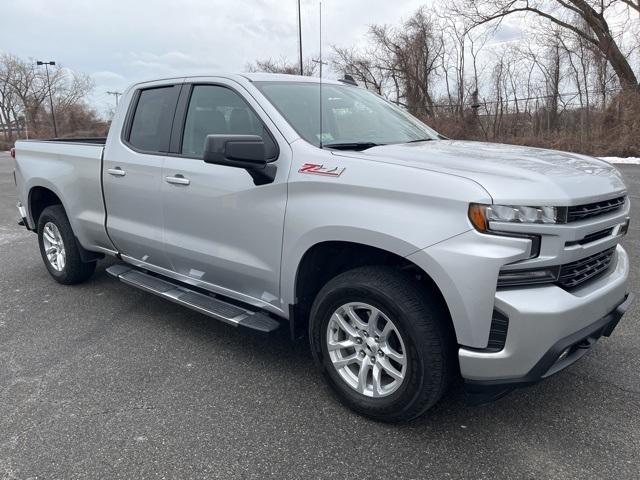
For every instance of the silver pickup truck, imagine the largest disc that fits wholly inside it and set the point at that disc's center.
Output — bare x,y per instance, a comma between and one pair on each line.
410,260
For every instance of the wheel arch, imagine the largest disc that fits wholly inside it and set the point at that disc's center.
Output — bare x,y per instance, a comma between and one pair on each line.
324,260
39,198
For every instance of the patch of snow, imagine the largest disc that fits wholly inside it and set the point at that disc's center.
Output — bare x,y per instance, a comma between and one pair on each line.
628,161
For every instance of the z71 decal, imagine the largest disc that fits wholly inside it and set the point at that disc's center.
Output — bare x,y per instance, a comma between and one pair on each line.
316,169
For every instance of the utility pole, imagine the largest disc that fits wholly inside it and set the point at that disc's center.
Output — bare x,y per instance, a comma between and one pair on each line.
115,94
300,37
53,114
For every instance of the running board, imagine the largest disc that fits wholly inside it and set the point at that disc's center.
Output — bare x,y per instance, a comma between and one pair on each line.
213,307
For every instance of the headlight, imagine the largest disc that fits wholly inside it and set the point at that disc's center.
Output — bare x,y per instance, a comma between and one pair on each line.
480,215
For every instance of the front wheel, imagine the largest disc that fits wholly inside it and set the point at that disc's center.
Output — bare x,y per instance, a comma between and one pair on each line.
384,345
59,249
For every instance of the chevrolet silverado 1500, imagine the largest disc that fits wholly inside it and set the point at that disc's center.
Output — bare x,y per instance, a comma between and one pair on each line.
407,258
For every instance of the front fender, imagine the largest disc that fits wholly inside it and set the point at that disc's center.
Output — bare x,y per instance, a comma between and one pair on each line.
465,268
395,208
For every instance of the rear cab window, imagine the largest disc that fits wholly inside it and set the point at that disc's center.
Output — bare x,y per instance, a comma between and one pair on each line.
150,127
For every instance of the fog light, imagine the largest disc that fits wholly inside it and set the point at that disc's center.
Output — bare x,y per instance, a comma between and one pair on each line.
512,278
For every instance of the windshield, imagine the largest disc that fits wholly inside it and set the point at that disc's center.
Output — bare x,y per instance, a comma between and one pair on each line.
351,116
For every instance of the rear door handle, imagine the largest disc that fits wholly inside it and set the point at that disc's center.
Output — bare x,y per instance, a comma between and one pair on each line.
178,180
117,172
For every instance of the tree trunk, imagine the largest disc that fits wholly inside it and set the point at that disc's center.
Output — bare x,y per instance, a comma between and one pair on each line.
608,46
619,63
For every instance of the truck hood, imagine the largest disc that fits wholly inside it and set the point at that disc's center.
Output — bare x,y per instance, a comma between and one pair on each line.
510,174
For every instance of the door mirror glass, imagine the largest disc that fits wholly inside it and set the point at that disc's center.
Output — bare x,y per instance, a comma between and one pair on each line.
242,151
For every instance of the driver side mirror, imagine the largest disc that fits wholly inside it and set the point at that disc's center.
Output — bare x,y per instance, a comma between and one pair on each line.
243,151
240,151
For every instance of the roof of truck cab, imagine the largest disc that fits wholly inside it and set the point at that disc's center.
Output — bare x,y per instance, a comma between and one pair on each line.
281,77
252,77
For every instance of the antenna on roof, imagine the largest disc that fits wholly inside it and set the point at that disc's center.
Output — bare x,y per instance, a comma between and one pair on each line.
300,37
320,32
320,62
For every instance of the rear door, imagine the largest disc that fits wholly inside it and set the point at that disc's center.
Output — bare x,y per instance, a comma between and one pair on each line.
132,175
222,231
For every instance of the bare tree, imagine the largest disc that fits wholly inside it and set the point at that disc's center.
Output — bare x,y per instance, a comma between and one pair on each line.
24,88
634,4
24,80
362,67
593,27
558,84
9,102
454,37
282,65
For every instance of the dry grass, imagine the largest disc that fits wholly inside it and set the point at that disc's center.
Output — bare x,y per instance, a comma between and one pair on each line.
613,132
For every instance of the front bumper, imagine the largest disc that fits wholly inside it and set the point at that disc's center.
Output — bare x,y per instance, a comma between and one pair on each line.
563,353
539,316
549,329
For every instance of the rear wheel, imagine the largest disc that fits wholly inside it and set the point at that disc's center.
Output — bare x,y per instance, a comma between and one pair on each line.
59,249
384,345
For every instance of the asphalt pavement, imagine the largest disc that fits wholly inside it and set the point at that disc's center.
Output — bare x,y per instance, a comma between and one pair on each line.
103,381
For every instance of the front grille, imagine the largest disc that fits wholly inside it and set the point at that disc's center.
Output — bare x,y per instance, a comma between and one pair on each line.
576,273
592,237
589,210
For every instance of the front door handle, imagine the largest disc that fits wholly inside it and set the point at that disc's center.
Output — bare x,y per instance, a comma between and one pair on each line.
117,172
178,180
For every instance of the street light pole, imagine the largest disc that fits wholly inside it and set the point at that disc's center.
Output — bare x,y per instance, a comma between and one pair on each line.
53,114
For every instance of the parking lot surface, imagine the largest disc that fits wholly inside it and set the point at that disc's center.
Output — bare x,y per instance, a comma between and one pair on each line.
103,381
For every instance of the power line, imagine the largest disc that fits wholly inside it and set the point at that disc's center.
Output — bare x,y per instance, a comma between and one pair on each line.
524,99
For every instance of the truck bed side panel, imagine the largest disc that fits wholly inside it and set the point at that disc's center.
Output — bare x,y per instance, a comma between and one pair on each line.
73,172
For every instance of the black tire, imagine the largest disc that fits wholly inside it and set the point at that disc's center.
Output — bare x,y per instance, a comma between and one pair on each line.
74,270
423,324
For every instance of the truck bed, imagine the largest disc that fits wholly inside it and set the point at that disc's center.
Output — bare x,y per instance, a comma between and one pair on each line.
72,169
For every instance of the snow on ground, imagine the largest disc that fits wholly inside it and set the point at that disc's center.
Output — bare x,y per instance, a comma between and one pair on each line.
630,160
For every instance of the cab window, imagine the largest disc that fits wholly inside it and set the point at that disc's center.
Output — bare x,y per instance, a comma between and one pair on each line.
151,123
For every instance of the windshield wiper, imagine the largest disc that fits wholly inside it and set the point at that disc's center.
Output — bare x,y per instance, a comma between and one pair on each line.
358,146
420,140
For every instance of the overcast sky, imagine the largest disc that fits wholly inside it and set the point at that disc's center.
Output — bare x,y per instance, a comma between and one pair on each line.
119,42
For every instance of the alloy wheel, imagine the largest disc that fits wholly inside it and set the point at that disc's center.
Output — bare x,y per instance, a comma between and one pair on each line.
54,246
366,349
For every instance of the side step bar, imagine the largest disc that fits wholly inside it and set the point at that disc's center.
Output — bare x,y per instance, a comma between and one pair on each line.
213,307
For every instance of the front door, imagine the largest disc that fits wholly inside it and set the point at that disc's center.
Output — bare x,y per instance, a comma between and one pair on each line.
222,231
132,176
